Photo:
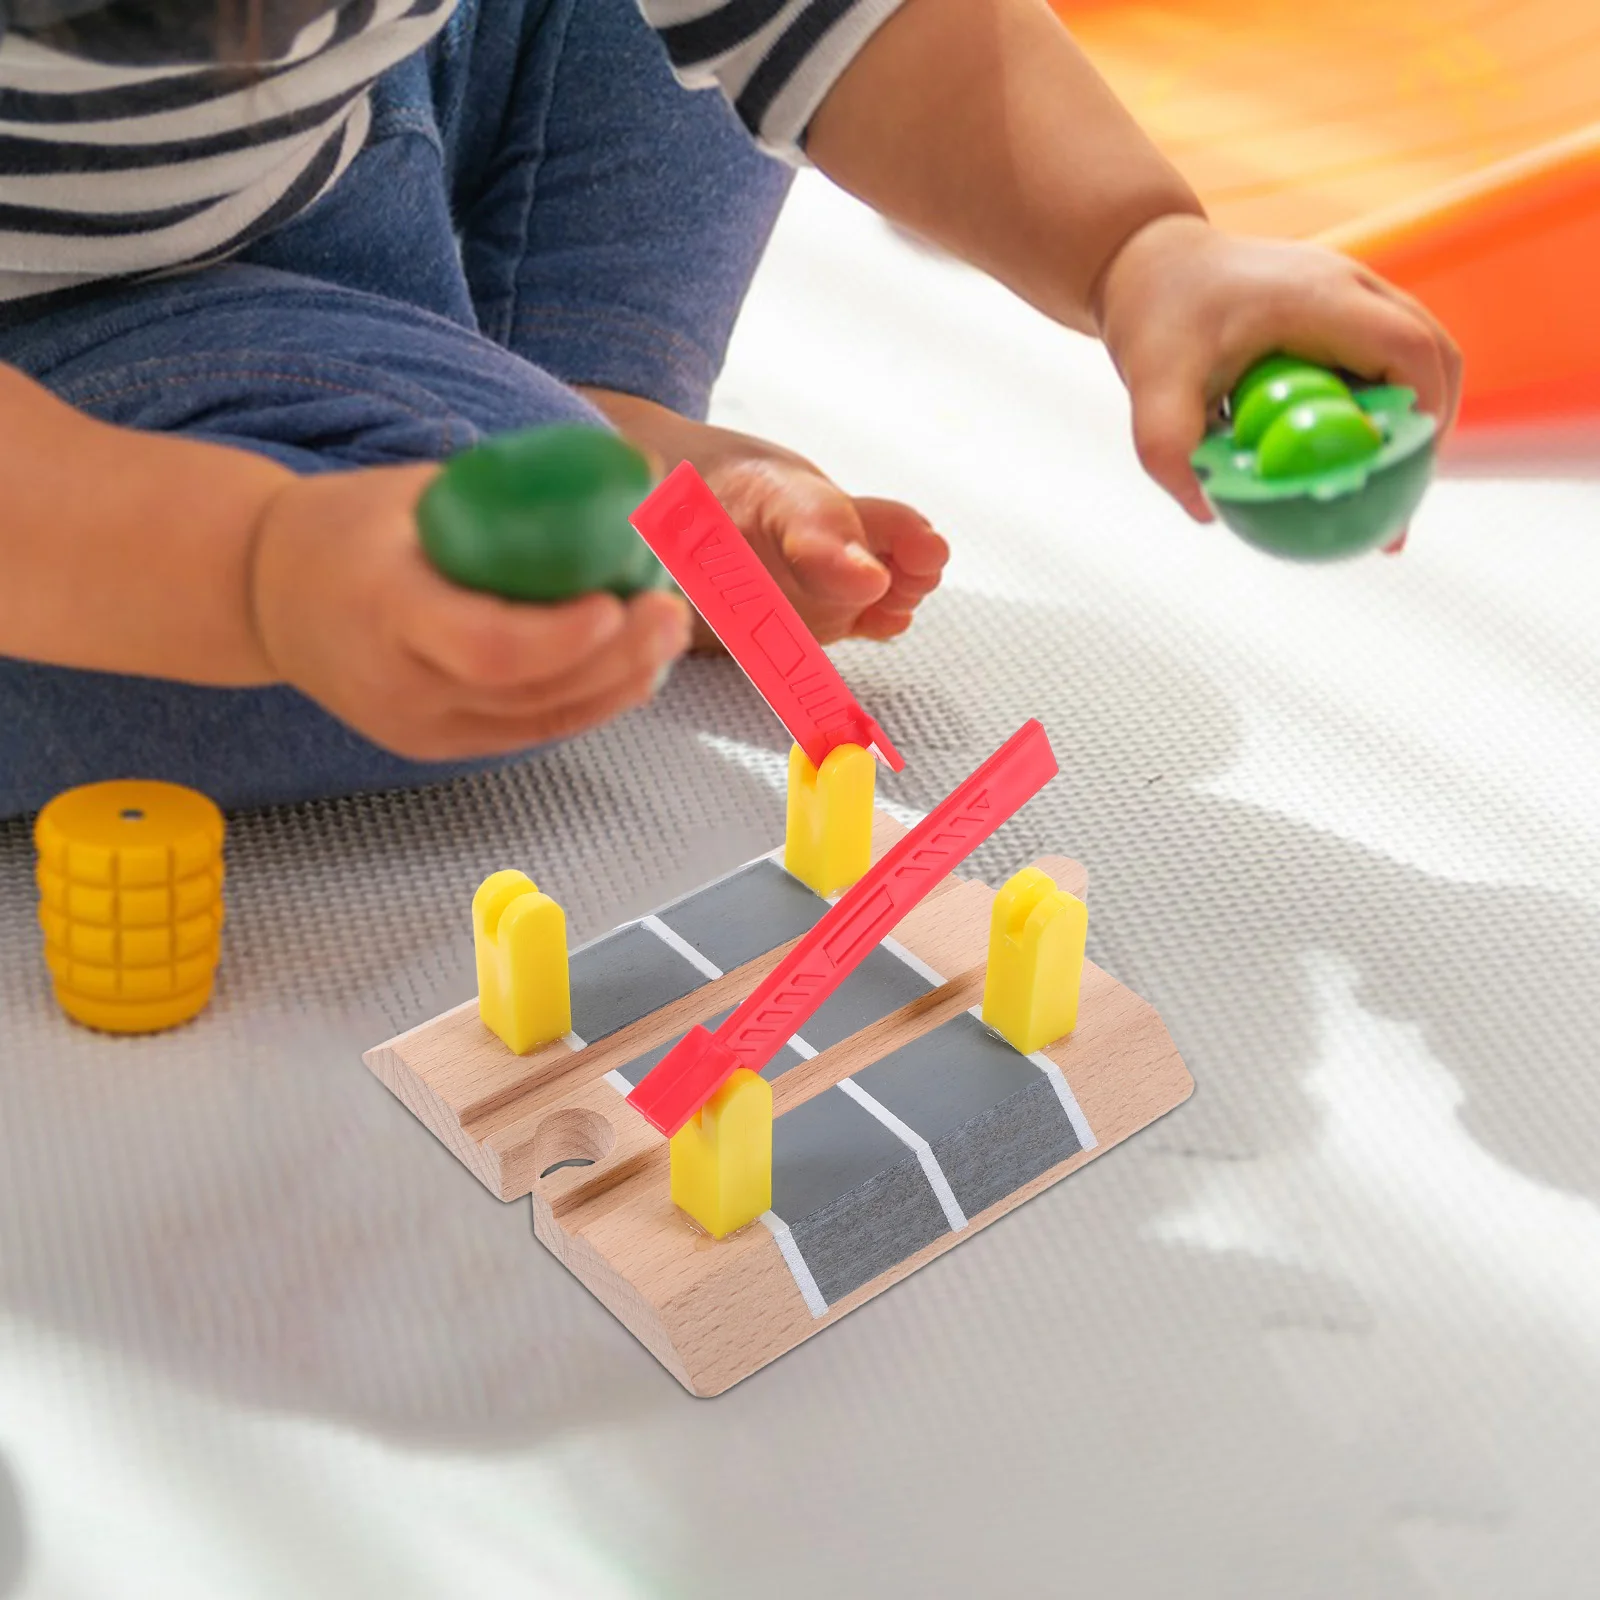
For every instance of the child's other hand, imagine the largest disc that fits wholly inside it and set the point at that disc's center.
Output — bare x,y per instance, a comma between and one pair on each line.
351,613
1185,310
854,567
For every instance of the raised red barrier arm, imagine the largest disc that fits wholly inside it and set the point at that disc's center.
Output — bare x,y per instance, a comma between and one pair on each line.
698,1065
725,581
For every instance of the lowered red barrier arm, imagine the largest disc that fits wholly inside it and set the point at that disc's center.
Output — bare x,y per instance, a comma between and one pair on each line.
698,1065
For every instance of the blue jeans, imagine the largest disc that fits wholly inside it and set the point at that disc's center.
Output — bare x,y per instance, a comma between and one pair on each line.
540,205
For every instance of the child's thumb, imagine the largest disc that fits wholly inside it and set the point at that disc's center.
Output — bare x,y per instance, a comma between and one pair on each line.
825,545
1169,420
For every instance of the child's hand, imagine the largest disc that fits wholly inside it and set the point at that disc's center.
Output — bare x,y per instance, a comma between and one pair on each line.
854,567
350,612
1185,309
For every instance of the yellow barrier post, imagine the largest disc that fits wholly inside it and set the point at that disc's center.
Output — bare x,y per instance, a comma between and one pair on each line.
828,842
1037,934
722,1156
519,938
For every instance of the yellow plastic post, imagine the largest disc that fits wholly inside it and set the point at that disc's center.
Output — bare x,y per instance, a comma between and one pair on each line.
130,901
520,939
722,1156
828,843
1036,939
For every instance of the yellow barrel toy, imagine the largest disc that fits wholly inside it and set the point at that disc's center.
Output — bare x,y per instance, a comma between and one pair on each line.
130,900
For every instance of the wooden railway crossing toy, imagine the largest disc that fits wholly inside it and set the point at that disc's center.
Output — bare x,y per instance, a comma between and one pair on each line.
743,1116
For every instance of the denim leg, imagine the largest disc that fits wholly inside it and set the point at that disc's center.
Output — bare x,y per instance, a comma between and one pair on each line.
311,373
387,227
314,376
610,223
611,220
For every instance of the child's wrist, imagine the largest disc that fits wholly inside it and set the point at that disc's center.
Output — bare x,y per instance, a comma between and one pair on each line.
257,541
1175,228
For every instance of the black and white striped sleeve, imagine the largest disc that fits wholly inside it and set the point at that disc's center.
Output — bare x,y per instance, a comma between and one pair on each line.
775,60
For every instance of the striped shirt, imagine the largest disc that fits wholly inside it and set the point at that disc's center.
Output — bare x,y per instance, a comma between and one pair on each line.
127,150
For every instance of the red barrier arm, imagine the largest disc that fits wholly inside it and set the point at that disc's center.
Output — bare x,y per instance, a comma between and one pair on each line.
698,1065
725,581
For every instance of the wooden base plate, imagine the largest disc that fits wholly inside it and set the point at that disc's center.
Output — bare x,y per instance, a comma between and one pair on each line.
903,1124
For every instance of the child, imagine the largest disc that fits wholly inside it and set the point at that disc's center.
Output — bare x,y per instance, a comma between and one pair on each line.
245,302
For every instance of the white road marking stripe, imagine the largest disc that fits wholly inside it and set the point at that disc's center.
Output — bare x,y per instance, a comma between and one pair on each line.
953,1214
790,1251
1069,1101
916,963
676,942
1058,1082
801,1048
619,1083
574,1043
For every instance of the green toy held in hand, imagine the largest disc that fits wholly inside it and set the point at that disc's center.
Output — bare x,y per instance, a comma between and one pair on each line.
1308,468
542,515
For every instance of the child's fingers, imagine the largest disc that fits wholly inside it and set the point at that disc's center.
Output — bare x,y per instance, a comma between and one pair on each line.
651,639
1408,351
881,622
914,554
824,543
490,643
1449,350
828,570
1378,335
518,733
468,733
1169,419
907,591
901,537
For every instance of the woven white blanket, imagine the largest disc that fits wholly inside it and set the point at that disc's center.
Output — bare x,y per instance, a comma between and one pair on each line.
1331,1329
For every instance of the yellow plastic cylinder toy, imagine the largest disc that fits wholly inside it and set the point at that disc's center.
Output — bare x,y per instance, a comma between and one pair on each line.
130,900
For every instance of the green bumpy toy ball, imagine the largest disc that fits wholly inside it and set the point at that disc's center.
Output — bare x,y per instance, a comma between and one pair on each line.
1316,436
542,515
1259,401
1311,470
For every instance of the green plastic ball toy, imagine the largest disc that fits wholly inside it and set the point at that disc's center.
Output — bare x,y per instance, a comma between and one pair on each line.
541,515
1309,469
1259,404
1317,436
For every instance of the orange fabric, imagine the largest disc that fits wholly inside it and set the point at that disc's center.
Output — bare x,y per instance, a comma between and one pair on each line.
1451,144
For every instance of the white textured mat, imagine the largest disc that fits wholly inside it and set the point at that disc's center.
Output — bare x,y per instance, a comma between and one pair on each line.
1333,1329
